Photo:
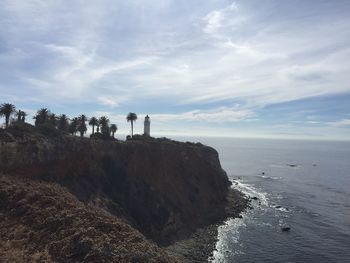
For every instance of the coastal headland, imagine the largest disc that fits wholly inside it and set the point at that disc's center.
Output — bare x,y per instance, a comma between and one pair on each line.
72,199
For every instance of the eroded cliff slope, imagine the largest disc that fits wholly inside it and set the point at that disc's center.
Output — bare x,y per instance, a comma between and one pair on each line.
42,222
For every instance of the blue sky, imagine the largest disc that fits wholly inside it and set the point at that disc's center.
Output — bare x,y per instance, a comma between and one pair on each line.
252,68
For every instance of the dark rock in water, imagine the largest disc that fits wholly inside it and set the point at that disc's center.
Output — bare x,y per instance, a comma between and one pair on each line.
314,165
255,198
292,165
285,228
240,216
236,183
263,173
278,206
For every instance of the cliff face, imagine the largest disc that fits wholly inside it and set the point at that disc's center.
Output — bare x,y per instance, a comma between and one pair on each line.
163,188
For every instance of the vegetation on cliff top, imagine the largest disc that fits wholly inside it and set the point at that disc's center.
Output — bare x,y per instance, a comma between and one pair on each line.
46,120
6,110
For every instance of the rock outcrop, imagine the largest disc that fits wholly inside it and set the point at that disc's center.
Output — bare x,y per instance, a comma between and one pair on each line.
164,189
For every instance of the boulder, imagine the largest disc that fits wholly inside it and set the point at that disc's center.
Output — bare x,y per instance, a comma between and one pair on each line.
285,228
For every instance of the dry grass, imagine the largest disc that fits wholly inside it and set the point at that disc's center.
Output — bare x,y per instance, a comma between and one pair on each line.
42,222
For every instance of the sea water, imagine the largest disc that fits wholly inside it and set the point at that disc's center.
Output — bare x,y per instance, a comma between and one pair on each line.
304,185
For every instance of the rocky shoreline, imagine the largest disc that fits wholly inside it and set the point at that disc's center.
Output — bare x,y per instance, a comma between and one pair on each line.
200,246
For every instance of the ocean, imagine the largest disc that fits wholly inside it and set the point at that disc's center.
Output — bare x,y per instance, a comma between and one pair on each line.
303,185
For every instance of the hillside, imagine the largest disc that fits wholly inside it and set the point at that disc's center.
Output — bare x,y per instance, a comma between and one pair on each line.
42,222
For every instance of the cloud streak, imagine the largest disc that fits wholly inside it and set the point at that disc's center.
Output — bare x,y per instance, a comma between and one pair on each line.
341,123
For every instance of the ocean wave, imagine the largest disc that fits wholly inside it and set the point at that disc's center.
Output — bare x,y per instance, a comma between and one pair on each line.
229,232
283,209
251,191
271,177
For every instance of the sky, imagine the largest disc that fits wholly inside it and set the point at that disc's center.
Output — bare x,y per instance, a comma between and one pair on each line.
252,68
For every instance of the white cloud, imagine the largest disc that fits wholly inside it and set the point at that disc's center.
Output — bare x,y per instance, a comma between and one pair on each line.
215,115
222,114
75,59
224,18
249,51
112,101
77,72
214,21
343,122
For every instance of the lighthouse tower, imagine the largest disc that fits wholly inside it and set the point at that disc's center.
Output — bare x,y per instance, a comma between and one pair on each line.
147,126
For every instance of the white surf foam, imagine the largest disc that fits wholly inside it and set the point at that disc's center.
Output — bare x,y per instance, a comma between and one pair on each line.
251,191
271,177
231,229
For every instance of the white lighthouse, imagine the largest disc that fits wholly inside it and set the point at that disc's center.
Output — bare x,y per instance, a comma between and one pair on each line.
147,126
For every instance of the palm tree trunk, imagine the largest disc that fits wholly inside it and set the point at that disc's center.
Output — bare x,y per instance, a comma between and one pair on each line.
7,121
132,129
93,129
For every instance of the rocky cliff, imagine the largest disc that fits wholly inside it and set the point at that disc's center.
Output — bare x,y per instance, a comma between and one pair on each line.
163,188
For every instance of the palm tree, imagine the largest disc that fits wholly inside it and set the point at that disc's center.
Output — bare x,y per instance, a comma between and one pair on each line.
21,115
93,122
18,115
104,121
52,119
7,109
131,117
82,126
41,116
73,126
24,115
113,129
98,126
63,122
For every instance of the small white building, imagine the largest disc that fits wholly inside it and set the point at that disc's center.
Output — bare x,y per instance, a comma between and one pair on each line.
147,126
